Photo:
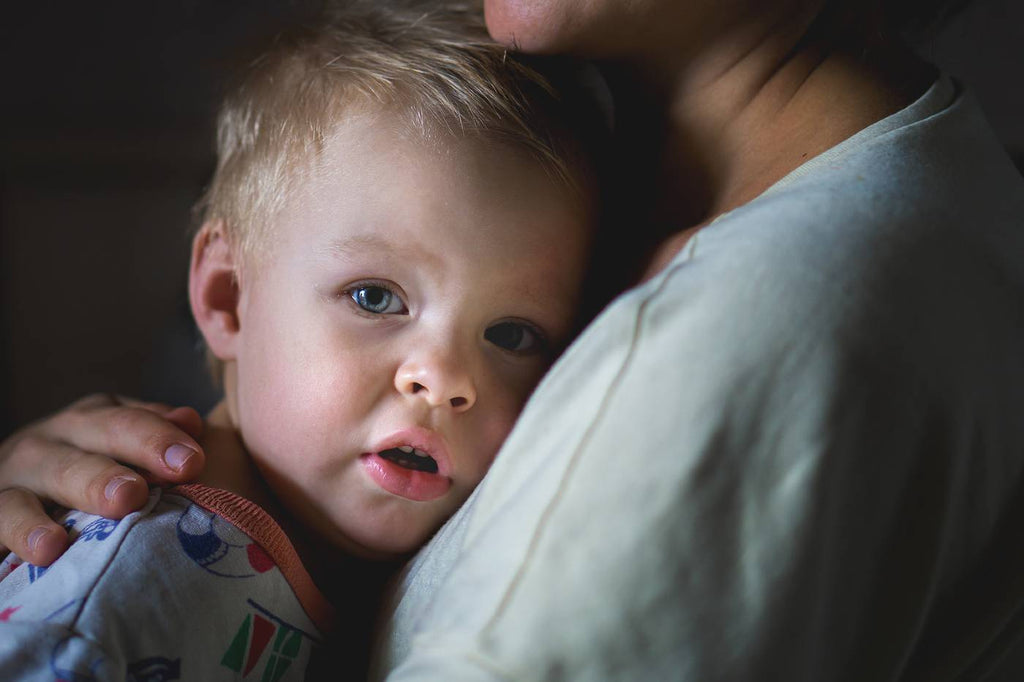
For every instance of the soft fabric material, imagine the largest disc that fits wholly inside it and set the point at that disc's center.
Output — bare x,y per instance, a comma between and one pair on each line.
792,455
199,585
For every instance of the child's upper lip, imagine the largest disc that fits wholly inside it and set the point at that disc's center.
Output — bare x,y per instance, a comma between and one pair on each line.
422,439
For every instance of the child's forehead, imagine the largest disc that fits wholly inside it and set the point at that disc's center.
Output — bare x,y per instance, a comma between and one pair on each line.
408,122
374,147
374,152
403,125
385,184
377,175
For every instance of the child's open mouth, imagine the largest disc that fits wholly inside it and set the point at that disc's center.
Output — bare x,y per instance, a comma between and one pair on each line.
410,458
413,463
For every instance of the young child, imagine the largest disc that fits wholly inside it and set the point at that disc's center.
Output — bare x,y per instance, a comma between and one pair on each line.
392,253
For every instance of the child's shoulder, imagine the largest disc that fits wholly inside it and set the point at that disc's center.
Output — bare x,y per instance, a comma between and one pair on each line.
94,540
174,584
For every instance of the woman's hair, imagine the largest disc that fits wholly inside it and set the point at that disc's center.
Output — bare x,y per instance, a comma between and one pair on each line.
432,63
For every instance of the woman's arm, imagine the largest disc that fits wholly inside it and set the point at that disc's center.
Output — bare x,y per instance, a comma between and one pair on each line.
57,459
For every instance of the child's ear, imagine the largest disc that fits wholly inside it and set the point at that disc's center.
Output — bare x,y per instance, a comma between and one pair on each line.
213,289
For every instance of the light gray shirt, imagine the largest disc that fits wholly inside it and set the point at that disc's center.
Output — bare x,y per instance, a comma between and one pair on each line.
793,455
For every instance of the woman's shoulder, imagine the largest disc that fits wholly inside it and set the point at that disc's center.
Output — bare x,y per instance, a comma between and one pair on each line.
846,265
938,217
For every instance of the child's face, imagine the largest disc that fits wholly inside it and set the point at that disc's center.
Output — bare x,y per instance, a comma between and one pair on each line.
412,296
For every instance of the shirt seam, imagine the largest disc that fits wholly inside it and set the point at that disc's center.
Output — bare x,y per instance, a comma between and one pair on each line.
265,532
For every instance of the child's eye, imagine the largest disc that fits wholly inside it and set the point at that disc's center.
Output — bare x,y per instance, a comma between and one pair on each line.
516,337
377,299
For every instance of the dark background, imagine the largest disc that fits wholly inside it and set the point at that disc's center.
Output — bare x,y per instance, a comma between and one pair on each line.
106,141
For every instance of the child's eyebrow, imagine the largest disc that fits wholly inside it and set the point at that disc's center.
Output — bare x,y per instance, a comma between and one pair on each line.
352,246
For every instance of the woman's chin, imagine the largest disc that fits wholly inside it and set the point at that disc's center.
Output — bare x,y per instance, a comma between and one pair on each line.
534,26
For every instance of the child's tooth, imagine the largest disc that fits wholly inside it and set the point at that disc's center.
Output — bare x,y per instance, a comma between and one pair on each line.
406,448
420,453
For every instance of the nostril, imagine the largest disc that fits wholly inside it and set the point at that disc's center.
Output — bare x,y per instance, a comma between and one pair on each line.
458,402
416,387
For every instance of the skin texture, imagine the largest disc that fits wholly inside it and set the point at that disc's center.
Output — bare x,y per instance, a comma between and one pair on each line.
735,95
469,237
57,460
604,29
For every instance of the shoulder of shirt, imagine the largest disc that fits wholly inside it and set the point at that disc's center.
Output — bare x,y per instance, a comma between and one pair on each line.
864,261
882,227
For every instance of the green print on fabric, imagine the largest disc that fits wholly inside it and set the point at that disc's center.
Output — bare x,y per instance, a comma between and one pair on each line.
235,654
250,642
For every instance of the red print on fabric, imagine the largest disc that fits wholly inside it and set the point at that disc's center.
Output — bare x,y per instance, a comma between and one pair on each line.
259,559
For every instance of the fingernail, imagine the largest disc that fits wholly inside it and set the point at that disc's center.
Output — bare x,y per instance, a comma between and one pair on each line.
114,484
36,536
177,455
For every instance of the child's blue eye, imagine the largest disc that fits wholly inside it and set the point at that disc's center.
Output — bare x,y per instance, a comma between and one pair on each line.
377,299
516,337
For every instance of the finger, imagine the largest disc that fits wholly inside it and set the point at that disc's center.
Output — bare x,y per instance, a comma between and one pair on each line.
185,418
77,479
157,407
132,435
95,400
26,529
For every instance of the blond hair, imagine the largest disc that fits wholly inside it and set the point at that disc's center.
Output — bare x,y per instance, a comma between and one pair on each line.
432,62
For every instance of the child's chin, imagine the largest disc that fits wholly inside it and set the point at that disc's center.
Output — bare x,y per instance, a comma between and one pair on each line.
387,544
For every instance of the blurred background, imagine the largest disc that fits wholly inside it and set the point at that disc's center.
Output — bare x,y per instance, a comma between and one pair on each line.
106,142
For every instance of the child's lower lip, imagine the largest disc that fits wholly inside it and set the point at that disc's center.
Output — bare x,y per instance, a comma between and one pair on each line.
419,486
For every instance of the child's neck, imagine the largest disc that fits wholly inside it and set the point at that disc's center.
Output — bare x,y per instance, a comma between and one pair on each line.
229,467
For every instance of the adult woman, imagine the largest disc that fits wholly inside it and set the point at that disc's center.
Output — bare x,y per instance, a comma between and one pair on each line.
777,458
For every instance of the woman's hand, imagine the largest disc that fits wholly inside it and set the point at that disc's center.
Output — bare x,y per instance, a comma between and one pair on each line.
58,459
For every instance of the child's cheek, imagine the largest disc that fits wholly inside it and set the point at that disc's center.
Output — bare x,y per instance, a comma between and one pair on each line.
497,426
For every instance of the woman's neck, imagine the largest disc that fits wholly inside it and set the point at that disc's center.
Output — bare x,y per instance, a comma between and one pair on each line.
750,127
754,104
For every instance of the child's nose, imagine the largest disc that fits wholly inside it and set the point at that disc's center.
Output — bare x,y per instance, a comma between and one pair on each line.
440,380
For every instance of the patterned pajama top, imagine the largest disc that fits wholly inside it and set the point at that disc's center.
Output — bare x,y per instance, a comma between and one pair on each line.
201,584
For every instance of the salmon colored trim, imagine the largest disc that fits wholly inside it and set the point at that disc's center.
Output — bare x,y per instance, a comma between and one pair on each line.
251,519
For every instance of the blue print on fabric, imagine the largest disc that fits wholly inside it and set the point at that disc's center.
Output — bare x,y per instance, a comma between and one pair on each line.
53,616
154,669
218,546
98,530
36,572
